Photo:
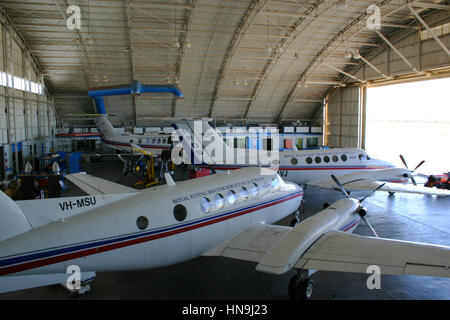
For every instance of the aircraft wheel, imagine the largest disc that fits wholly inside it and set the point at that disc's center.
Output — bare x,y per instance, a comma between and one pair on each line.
84,289
296,219
391,193
300,290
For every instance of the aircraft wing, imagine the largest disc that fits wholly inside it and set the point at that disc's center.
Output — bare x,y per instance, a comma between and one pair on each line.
95,185
363,181
341,251
278,249
395,187
251,244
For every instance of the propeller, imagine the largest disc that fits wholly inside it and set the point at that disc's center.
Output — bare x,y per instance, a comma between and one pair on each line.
339,185
361,210
412,178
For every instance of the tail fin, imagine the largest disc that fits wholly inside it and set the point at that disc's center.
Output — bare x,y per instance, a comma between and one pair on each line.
12,219
104,127
206,145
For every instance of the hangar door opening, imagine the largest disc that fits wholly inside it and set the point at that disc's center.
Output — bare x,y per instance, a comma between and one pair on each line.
412,119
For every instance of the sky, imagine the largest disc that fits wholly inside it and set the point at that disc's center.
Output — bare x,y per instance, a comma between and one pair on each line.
412,119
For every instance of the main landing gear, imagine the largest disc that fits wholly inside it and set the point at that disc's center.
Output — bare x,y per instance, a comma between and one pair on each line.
301,286
296,219
300,210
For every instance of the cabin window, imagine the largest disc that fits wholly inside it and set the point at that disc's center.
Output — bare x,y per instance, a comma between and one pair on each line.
153,140
326,159
243,194
264,188
158,141
318,159
294,161
344,157
179,212
335,159
142,222
275,184
219,201
309,160
205,205
232,197
164,140
255,190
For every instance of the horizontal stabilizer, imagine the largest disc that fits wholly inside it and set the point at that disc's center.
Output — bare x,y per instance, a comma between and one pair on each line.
95,185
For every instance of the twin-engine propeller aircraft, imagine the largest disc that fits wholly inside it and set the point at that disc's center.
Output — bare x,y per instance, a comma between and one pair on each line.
229,214
355,169
124,141
154,143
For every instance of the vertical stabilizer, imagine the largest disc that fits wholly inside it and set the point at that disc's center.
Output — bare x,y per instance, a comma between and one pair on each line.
12,219
104,127
203,141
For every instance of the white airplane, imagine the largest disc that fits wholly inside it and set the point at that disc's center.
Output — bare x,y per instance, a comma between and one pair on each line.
230,214
354,167
154,143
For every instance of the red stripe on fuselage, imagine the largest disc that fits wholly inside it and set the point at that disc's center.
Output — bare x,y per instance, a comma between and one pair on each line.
324,168
88,252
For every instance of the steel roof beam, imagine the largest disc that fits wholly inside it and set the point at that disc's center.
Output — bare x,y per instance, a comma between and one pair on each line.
319,8
440,43
247,20
390,44
184,39
76,36
339,39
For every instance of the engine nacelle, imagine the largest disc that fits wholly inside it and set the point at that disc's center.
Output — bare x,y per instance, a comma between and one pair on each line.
362,211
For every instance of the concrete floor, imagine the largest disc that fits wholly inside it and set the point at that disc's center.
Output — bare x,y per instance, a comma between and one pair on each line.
405,217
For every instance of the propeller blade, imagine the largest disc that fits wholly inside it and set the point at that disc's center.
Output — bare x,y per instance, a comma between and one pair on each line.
421,163
373,191
340,185
404,162
370,226
413,181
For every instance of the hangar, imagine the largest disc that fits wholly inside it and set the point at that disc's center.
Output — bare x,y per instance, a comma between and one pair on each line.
304,68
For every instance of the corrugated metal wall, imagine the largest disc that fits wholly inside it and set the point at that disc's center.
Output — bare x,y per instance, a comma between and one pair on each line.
342,123
345,112
27,119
